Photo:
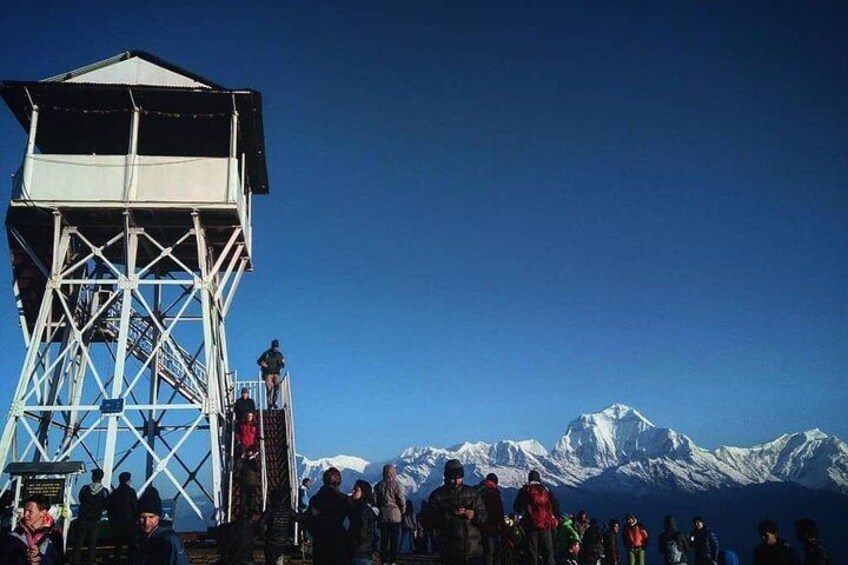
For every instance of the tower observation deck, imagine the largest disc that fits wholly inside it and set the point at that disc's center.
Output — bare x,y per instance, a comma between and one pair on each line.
129,231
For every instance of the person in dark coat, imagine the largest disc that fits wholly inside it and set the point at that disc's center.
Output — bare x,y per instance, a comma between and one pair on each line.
235,542
35,539
672,544
457,512
495,527
158,544
275,526
592,546
249,480
705,543
272,362
772,550
122,510
808,535
92,503
363,522
325,520
611,553
243,405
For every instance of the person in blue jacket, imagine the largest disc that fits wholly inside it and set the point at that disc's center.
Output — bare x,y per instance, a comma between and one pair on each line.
158,545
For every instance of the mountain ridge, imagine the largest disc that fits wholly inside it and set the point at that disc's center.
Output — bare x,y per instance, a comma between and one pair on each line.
617,449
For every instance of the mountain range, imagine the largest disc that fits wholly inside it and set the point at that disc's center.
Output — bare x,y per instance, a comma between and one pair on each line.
616,450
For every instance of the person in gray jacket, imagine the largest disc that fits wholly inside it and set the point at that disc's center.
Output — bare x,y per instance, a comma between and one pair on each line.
391,501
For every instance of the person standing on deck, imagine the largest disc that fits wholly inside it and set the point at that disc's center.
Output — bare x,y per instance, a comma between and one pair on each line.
272,362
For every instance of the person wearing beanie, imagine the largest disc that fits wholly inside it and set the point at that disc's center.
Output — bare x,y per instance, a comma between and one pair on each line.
243,406
391,500
92,503
457,512
494,529
159,545
272,362
539,508
35,539
122,509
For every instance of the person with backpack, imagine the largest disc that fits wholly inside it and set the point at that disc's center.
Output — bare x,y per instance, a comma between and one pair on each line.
122,510
539,508
456,511
705,543
673,545
391,501
363,522
635,538
92,503
272,363
494,527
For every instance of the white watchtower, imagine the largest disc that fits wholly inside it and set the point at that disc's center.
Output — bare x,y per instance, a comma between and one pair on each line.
129,231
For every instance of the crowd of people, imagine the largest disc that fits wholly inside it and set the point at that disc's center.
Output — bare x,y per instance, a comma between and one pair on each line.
468,525
135,523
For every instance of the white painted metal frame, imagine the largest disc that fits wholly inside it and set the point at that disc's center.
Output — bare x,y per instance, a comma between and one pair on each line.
104,327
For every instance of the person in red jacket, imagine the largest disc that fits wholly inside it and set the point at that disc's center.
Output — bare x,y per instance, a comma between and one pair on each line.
635,540
248,432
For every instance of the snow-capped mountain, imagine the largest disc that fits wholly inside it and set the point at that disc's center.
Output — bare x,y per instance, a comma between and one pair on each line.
616,449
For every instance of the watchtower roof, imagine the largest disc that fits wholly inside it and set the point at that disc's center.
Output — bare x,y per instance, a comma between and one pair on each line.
114,86
135,68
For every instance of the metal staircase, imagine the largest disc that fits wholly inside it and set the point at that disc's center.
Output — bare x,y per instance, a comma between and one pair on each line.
276,447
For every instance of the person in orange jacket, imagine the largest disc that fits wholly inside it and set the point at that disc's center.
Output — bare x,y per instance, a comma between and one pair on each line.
635,538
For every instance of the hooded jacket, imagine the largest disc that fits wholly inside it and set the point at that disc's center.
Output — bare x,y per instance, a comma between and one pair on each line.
92,500
391,499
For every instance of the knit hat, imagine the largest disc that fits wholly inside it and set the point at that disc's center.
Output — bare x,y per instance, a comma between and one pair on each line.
453,469
244,389
149,502
533,476
492,477
275,343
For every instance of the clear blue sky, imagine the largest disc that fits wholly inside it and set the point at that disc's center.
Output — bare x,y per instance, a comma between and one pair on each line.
488,218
